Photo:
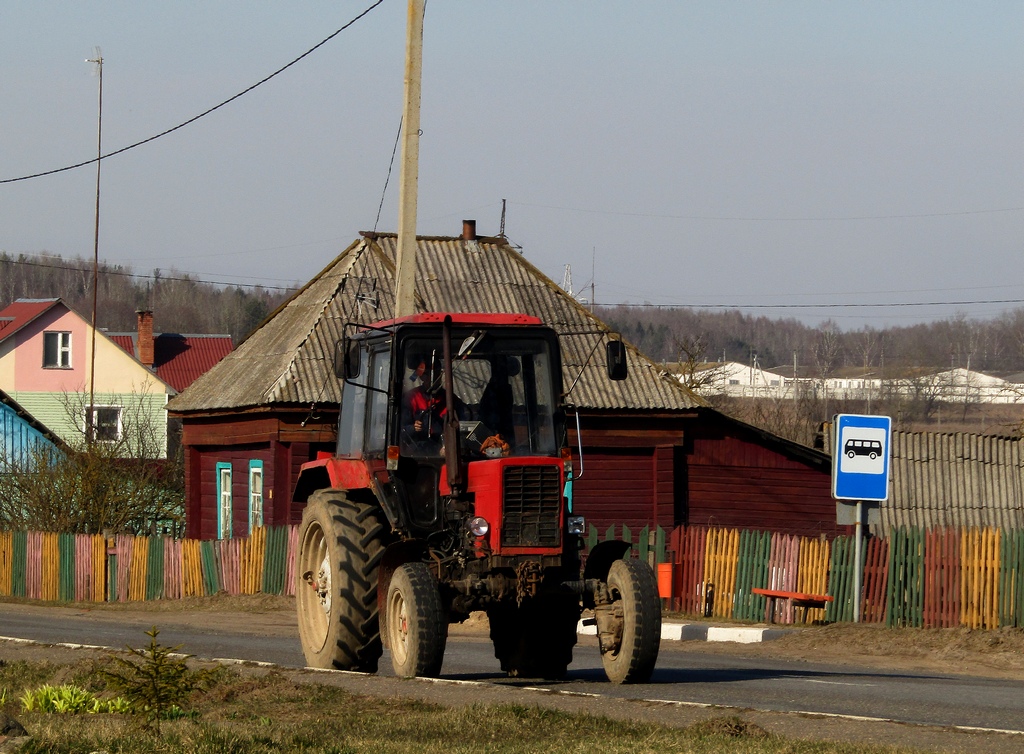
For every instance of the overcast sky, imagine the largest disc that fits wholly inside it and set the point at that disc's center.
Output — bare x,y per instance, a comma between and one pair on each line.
750,155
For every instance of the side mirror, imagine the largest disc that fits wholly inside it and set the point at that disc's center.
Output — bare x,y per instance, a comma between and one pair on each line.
616,352
346,359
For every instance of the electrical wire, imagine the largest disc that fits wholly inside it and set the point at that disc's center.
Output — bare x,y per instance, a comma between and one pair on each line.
121,273
816,306
387,180
739,218
203,114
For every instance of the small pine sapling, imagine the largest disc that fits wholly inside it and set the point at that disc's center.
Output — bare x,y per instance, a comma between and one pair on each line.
158,687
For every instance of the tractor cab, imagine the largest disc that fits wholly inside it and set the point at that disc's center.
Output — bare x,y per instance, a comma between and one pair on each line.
429,401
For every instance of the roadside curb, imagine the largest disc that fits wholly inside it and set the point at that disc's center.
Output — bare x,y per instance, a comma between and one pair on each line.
704,632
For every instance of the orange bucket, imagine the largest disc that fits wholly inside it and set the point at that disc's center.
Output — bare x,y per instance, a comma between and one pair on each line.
665,580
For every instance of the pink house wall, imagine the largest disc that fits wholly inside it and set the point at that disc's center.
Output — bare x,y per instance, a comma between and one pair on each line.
29,375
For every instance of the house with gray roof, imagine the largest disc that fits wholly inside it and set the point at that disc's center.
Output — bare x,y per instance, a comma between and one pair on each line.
653,452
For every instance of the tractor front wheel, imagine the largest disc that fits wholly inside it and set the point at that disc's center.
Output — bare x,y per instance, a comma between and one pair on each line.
416,624
635,610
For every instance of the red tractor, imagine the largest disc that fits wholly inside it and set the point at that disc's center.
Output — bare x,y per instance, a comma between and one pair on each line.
448,494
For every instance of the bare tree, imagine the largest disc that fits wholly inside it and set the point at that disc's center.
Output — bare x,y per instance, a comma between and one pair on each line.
117,482
692,365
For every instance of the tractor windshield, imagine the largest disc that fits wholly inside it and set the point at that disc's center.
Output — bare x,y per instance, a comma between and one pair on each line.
504,394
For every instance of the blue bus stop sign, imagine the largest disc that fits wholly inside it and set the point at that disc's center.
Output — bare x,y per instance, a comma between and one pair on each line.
860,458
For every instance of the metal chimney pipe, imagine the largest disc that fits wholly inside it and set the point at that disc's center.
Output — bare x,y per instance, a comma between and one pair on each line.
469,230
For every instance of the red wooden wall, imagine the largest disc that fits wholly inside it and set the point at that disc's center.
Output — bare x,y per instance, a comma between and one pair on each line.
738,479
639,469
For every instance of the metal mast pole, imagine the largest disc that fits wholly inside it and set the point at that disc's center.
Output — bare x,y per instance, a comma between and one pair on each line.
405,288
90,418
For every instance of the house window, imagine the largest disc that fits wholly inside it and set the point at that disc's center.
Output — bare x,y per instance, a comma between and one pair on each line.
734,382
224,501
255,494
57,350
103,423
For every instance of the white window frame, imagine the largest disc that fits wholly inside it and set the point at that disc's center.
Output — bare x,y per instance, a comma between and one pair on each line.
63,349
225,504
87,424
255,494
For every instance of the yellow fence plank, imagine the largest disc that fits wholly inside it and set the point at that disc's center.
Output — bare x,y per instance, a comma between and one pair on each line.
6,563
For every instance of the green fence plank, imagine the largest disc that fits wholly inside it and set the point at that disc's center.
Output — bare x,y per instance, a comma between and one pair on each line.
592,538
66,567
211,584
643,540
739,597
111,577
275,563
269,562
837,577
755,549
659,546
609,533
19,558
155,569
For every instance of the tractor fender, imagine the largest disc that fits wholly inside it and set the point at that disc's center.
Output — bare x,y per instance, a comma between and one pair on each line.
601,557
331,473
395,554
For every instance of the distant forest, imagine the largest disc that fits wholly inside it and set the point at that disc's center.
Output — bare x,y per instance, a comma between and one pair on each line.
686,335
180,303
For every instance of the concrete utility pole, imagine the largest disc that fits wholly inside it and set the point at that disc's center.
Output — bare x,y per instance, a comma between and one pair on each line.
405,285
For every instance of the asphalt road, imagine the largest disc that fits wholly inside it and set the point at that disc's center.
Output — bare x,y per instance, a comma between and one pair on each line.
682,675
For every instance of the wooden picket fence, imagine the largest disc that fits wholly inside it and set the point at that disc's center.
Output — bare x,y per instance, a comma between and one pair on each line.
94,568
937,578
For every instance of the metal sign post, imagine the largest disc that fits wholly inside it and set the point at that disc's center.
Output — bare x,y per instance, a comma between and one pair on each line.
860,472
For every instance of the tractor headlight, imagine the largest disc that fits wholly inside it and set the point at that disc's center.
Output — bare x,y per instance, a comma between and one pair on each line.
478,526
577,524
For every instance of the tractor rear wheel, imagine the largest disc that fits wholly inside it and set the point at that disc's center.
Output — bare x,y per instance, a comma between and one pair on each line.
341,542
632,583
535,639
416,624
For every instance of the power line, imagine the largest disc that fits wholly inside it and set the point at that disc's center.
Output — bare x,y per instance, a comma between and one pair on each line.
203,114
741,218
834,305
122,273
815,306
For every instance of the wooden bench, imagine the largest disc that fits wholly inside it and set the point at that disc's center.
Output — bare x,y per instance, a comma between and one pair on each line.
797,599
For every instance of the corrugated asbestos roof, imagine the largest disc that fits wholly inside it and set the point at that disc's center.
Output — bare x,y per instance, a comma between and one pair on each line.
954,479
288,358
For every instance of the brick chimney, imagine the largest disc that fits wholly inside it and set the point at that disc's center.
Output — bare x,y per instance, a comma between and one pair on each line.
145,339
469,230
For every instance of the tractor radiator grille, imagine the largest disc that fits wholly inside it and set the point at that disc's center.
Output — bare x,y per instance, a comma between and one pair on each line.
533,499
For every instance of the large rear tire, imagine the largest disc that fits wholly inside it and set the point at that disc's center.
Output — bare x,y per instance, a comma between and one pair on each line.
340,546
632,583
535,639
417,625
